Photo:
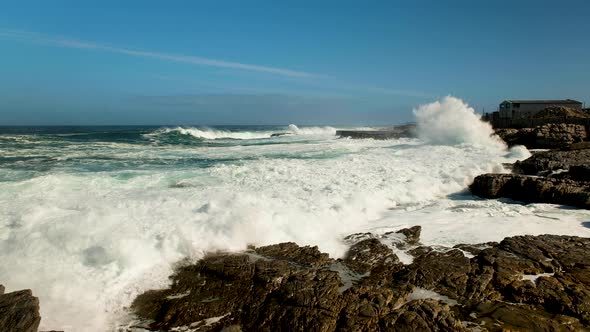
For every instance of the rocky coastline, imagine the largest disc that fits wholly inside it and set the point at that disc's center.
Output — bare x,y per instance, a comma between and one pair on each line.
523,283
559,176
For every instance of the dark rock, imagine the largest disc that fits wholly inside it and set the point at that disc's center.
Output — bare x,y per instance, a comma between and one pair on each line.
19,311
367,254
532,189
475,249
513,136
577,146
280,134
579,172
412,234
501,316
548,161
528,283
443,272
548,136
407,130
308,256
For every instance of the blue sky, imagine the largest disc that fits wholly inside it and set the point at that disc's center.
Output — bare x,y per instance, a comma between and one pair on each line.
280,62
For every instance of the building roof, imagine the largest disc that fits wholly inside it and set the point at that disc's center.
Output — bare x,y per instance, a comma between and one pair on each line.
563,101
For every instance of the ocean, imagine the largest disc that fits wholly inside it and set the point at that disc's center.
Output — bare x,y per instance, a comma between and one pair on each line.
92,216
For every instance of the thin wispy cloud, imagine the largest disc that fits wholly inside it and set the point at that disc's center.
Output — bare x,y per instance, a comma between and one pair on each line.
59,41
313,79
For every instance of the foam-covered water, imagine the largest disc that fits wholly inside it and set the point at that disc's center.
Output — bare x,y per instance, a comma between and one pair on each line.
90,217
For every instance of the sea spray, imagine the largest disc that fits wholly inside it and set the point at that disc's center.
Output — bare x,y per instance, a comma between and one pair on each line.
451,121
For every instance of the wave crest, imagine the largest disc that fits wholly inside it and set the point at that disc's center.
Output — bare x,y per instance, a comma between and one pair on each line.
312,130
215,134
451,121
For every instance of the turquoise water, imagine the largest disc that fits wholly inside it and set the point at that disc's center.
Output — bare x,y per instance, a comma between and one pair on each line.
27,152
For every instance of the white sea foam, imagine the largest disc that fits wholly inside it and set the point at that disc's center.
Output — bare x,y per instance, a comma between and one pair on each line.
452,121
88,243
312,130
214,134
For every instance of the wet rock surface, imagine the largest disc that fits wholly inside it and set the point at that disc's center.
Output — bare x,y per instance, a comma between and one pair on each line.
533,189
523,283
19,311
545,162
555,176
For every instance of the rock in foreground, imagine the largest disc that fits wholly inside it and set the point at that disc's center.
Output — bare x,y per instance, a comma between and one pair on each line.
521,284
19,311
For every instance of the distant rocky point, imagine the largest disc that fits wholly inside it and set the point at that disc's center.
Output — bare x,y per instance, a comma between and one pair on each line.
407,130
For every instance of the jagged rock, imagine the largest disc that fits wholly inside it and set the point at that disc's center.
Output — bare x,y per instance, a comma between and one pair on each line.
501,316
548,136
445,272
475,249
557,135
309,256
514,136
526,283
412,234
19,311
547,161
532,189
367,254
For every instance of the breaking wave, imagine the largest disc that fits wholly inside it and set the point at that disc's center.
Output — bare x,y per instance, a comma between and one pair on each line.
311,130
451,121
215,134
211,134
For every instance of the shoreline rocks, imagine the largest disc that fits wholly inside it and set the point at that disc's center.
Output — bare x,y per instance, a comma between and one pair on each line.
554,176
19,311
532,189
522,283
545,162
547,136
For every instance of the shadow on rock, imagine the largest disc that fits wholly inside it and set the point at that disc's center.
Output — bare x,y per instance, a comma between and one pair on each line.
522,283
